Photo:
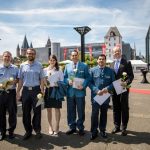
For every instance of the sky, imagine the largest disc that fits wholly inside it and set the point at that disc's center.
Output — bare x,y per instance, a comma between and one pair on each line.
40,19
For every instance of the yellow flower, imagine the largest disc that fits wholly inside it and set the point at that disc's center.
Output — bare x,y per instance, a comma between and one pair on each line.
39,96
75,70
11,79
1,85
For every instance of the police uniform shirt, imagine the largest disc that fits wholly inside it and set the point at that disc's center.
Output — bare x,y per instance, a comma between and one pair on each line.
31,74
8,72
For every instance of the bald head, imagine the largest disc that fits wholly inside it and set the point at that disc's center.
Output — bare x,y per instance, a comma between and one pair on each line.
117,52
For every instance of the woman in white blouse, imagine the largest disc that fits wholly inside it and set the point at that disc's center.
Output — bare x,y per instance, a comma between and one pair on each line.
53,76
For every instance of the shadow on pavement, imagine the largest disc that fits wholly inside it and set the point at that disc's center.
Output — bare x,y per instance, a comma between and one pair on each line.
133,137
75,141
48,142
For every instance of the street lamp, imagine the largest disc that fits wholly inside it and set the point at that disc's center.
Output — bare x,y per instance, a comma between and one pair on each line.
82,31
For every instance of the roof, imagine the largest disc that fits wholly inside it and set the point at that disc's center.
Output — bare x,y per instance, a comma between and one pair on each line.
114,30
138,62
25,43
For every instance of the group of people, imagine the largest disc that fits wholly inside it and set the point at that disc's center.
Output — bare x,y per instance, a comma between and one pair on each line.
31,79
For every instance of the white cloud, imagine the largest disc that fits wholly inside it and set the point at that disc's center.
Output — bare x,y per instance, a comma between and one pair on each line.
58,23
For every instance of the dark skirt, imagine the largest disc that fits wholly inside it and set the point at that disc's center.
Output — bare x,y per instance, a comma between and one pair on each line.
51,102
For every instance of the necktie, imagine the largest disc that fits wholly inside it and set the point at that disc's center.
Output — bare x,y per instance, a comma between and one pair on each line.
75,65
116,67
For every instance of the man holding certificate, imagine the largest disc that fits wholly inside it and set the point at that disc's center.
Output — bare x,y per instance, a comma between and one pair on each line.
120,101
101,78
76,76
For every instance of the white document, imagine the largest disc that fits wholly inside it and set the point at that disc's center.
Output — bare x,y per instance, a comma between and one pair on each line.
100,99
39,102
118,88
77,82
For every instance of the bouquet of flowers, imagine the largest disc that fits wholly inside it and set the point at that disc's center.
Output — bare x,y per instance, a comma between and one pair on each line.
73,74
40,99
123,79
7,84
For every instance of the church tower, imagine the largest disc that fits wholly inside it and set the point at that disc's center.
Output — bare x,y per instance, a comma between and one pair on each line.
31,46
18,51
48,45
112,39
24,46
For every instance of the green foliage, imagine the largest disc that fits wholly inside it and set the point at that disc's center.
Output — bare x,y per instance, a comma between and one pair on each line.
92,62
45,65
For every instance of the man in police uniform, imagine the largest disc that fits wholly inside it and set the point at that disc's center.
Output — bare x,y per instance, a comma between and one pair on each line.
31,78
100,83
8,72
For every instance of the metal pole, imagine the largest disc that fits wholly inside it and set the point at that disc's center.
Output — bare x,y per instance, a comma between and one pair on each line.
82,49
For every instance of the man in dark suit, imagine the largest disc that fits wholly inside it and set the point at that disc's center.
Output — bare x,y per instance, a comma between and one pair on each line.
120,102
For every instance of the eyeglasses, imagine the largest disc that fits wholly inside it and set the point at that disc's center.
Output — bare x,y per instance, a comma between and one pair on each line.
31,53
74,55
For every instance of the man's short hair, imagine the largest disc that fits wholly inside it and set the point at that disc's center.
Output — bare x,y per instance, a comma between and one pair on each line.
8,52
102,55
75,51
32,49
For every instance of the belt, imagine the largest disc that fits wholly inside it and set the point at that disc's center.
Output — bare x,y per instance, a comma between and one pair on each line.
30,88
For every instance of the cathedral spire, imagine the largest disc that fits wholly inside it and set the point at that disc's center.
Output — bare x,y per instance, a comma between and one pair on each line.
25,44
18,51
31,46
48,44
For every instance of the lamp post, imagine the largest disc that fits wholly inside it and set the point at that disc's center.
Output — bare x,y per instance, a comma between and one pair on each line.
82,31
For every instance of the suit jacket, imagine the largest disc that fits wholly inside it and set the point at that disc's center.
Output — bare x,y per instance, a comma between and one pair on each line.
59,92
125,66
82,72
100,80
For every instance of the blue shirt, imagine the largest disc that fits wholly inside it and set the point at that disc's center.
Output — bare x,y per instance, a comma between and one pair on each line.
8,72
31,74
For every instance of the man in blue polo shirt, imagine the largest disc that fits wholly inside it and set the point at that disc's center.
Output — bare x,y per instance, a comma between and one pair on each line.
8,80
31,78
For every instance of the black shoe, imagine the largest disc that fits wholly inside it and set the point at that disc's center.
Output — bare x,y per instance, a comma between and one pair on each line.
2,136
71,131
81,132
93,136
124,132
38,135
11,135
115,130
103,134
27,135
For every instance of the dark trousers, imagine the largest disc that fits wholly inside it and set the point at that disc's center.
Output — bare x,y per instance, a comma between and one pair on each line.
97,120
29,100
8,103
76,105
121,110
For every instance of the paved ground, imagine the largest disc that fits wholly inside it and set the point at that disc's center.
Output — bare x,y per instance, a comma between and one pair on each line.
138,129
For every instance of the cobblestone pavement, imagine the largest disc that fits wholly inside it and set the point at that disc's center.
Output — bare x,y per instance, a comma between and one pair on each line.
138,137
